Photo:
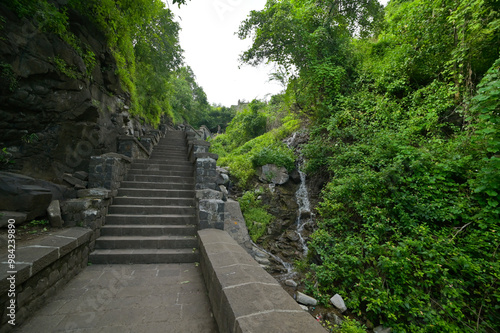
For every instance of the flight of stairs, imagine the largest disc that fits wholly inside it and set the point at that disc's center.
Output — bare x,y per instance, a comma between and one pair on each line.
153,218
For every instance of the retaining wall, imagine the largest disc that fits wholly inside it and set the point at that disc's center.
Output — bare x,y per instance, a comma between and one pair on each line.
244,297
46,265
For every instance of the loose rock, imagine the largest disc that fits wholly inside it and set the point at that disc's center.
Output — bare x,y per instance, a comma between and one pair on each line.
291,283
54,213
382,329
306,300
338,302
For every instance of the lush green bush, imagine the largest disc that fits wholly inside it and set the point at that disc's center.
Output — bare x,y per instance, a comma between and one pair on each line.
242,150
256,216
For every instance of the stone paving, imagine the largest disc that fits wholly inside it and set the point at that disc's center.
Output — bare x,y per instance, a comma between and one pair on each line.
129,298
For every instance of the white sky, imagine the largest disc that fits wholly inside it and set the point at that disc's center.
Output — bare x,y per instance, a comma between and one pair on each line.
212,50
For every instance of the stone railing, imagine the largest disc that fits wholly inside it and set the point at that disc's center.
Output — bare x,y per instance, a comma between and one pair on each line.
42,267
244,297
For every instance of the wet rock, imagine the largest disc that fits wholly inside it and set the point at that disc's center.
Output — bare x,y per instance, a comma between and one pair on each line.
295,176
263,261
338,302
274,174
334,319
291,283
306,300
54,213
382,329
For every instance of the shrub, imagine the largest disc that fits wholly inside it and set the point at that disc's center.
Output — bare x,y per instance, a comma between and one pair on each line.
256,216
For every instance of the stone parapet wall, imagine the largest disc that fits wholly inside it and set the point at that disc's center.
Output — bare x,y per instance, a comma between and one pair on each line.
108,170
243,296
209,200
42,268
133,148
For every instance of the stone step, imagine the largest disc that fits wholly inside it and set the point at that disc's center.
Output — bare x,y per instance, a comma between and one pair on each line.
164,167
146,242
138,192
177,173
147,230
153,201
168,157
156,219
159,186
163,163
143,256
161,179
170,148
168,160
151,210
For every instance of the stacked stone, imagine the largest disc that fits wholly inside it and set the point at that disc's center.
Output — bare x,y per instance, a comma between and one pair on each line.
131,147
210,203
108,170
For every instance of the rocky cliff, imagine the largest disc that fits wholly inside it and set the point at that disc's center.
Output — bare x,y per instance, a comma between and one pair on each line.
56,110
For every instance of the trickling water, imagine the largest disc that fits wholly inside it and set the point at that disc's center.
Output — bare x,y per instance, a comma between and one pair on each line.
305,216
288,266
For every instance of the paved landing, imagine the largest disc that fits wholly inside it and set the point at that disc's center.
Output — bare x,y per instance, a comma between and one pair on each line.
128,298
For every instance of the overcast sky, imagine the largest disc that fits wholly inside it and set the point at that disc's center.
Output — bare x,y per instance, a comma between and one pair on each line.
212,50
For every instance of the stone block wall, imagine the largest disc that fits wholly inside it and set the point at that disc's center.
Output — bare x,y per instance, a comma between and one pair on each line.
244,297
108,170
209,199
42,268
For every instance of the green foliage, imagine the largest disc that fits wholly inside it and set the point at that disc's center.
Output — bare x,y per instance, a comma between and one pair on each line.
63,67
5,156
256,216
243,148
486,108
408,135
39,223
8,75
276,153
30,138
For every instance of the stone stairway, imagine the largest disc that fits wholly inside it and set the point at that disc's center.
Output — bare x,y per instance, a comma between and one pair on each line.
153,218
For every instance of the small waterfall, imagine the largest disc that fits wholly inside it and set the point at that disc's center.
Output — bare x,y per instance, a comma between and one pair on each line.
302,195
288,266
305,215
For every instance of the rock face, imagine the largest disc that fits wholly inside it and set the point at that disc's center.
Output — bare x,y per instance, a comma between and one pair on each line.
28,195
56,110
273,174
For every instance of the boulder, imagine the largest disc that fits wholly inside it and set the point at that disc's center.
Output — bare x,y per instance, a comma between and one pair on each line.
306,300
271,173
382,329
338,302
